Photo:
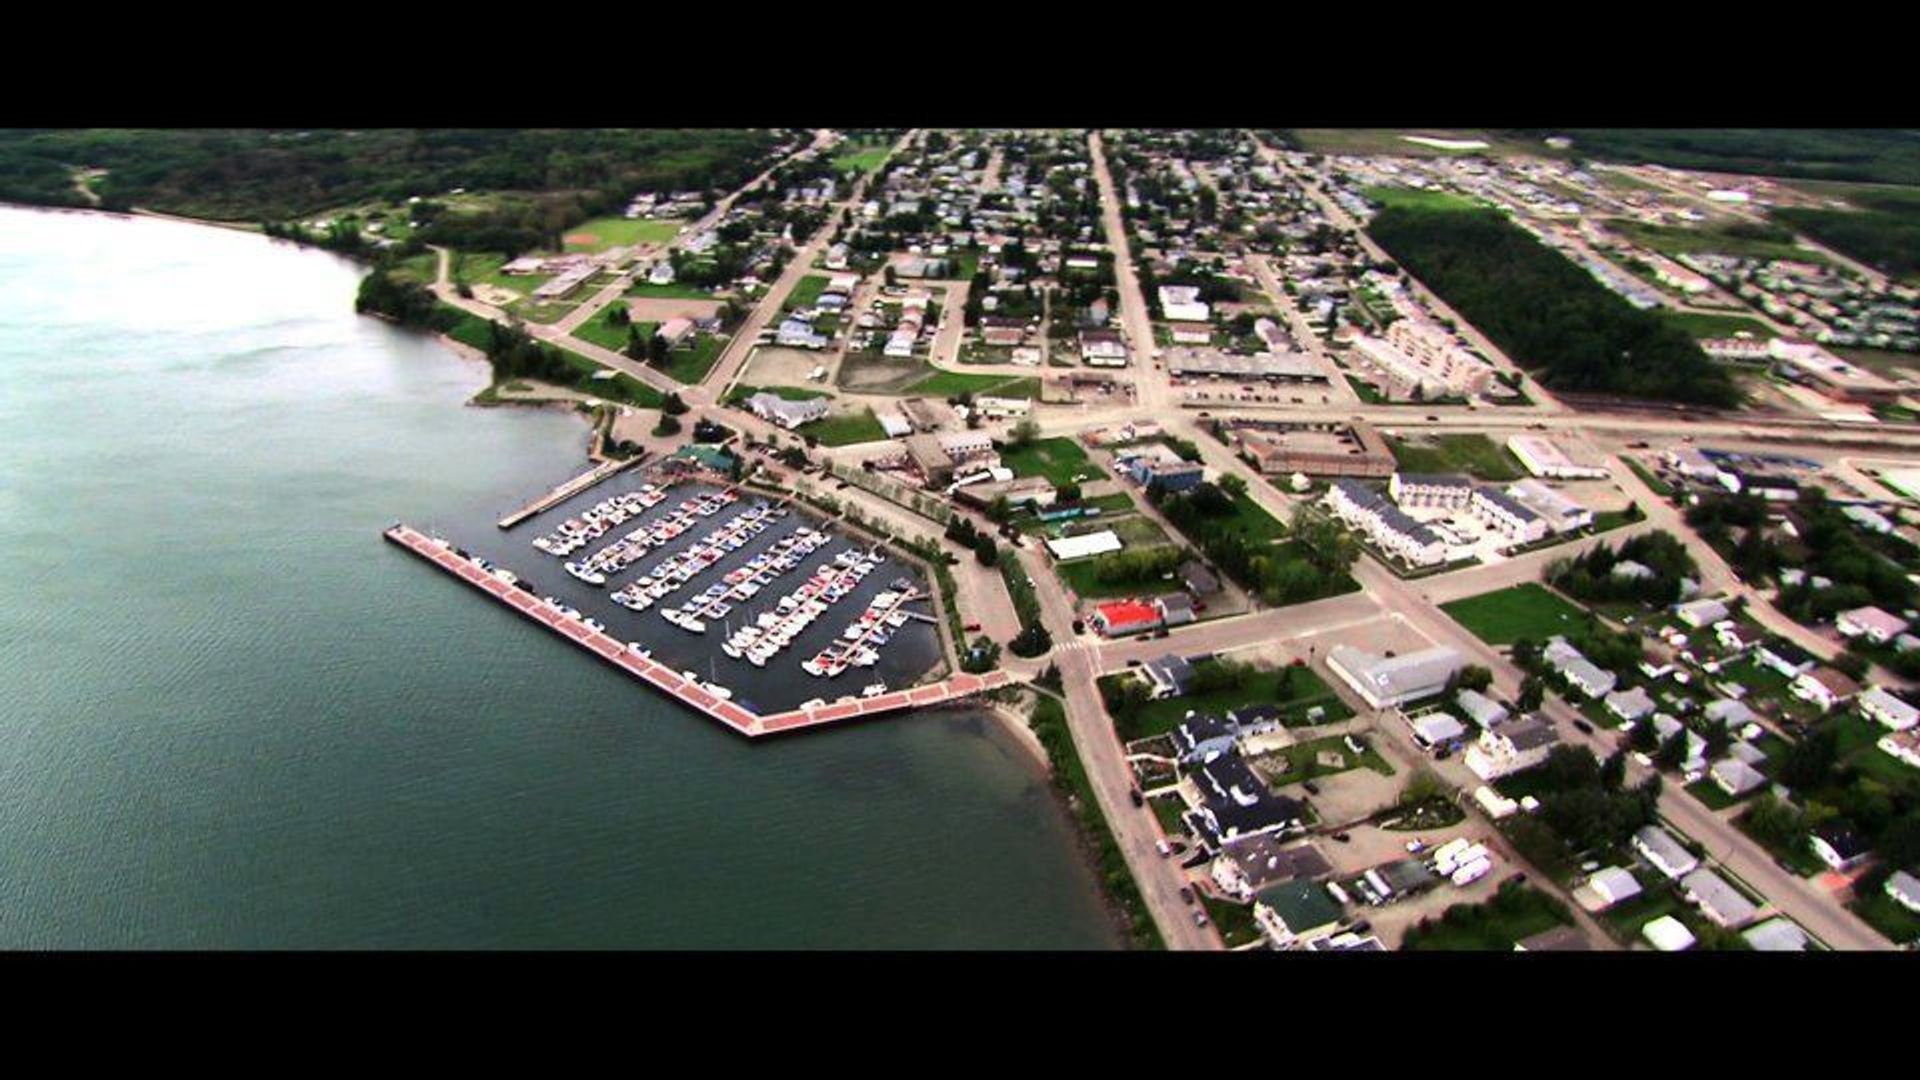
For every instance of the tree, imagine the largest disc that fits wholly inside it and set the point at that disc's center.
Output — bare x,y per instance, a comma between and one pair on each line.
667,426
1473,677
617,315
673,406
1023,434
986,550
657,350
1068,493
1673,750
1809,762
1533,692
1613,771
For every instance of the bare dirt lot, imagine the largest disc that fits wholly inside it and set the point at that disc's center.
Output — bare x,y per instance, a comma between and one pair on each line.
776,366
659,309
871,373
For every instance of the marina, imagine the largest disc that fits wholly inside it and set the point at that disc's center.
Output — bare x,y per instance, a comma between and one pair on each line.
703,696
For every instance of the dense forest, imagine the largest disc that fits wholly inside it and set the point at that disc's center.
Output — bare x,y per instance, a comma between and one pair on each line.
1546,313
269,175
1883,233
1874,155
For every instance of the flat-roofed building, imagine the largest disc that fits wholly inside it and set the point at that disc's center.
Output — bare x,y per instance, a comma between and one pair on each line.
1293,367
1386,681
1552,459
1314,449
1561,513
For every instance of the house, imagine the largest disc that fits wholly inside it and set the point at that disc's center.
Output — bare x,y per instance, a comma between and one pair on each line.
1837,845
1176,609
1394,680
1904,888
1613,885
1664,853
1735,777
1870,622
1877,703
675,330
1345,942
1512,747
1738,637
1903,746
1785,657
1296,912
788,414
1202,737
1720,902
1699,613
1734,715
1824,687
1119,617
1630,704
1775,935
1589,678
1480,708
1235,803
1668,934
1436,729
1103,542
1253,864
799,334
1199,580
1181,303
1168,675
661,274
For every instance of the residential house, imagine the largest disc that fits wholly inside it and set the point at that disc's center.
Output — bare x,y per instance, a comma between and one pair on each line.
1630,704
1738,637
1102,348
1504,514
1436,729
1776,935
1904,888
1512,747
1481,709
1902,746
1252,864
1428,491
1720,902
1117,618
1735,777
1877,703
1668,934
788,414
1385,524
1664,853
1167,675
1235,803
1699,613
1838,846
1732,714
1613,885
1825,687
1870,622
1785,657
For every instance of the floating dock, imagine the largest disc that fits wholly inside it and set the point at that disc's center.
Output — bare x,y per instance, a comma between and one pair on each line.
567,491
671,682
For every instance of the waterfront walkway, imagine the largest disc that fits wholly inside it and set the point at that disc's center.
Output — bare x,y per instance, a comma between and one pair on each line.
688,692
566,491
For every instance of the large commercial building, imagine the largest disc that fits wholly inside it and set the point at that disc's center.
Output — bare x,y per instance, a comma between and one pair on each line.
1213,363
1386,681
1315,449
1545,457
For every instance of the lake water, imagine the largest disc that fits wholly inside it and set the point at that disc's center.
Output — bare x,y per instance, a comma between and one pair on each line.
232,716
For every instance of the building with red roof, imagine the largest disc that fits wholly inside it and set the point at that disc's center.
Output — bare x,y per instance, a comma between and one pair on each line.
1118,617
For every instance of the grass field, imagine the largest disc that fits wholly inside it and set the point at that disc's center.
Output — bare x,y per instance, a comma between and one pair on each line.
1888,363
1303,761
1527,610
1420,200
1363,141
608,336
806,292
1476,455
607,232
1716,326
1681,240
1648,477
1293,690
689,365
1060,460
1513,913
647,291
846,428
860,157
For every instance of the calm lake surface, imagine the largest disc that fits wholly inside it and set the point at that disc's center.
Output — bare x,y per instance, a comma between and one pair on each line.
234,717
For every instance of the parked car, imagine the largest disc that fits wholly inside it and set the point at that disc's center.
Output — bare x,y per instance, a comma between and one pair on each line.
1138,799
1583,727
1161,847
1312,788
1199,918
1079,626
1344,838
971,627
1186,893
1133,663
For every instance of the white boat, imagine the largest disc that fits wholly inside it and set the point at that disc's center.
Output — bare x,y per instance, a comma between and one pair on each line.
874,689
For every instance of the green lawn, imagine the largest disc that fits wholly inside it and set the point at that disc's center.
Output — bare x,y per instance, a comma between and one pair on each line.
1475,455
1234,921
1083,577
806,292
1648,477
1059,459
648,291
846,428
1716,326
607,232
1252,520
860,157
1722,240
1527,610
603,332
1515,912
1883,912
690,364
1419,200
1303,761
1292,689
